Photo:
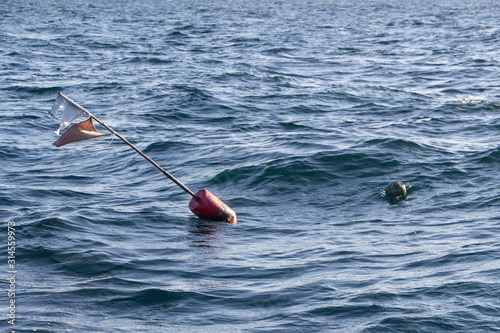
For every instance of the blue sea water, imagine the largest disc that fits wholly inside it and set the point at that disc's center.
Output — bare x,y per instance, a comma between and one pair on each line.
296,114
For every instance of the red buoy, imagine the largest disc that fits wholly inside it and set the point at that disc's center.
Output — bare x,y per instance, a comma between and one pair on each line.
207,206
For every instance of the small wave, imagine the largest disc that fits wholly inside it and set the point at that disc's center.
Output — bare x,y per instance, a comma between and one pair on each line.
404,150
192,92
34,89
318,169
245,41
491,156
152,296
103,44
150,59
8,153
358,164
477,102
348,311
165,146
177,34
279,50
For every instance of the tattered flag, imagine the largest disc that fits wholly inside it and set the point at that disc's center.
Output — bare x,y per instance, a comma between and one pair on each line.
79,132
70,112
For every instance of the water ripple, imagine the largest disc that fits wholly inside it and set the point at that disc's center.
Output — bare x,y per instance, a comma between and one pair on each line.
297,115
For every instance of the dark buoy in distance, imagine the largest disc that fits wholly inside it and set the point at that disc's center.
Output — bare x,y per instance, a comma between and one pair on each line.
207,206
396,190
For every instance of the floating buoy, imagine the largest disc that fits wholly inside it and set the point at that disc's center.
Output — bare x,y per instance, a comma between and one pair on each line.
203,204
207,206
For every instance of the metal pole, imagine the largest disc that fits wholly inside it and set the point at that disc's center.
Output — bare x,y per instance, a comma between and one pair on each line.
165,172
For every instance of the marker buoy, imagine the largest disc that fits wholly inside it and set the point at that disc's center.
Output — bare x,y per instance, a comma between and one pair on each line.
203,204
207,206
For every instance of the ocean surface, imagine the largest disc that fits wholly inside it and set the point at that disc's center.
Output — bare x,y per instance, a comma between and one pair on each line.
297,114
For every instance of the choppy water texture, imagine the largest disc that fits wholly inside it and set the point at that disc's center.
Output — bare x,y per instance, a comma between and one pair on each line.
297,114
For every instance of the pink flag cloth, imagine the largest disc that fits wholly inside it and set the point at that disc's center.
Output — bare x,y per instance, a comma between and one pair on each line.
79,132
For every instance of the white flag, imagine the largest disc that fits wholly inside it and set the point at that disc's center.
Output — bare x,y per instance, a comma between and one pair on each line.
70,112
